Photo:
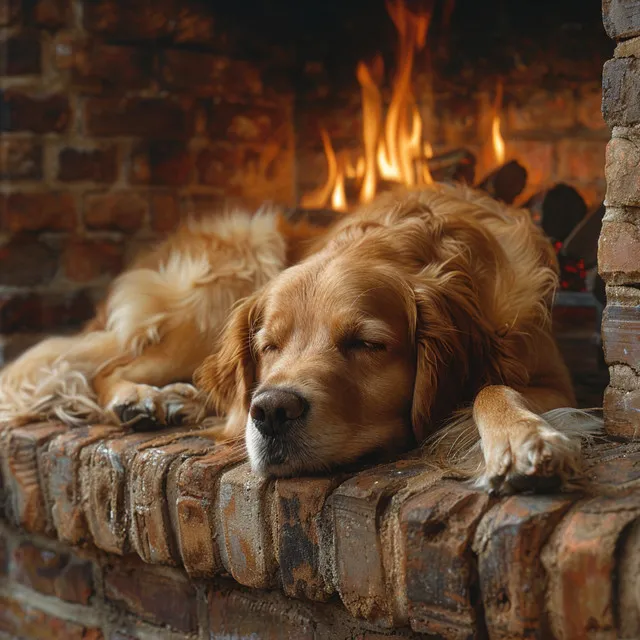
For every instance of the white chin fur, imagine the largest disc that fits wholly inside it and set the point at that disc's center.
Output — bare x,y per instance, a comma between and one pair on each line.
253,441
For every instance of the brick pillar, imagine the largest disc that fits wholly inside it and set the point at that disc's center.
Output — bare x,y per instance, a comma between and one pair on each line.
117,118
619,251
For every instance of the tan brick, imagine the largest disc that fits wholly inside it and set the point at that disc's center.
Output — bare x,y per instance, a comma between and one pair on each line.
61,472
245,508
19,451
197,529
619,252
622,170
508,543
622,412
621,335
437,529
152,494
580,562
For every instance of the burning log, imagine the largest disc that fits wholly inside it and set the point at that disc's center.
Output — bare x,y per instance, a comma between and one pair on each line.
559,211
506,182
458,165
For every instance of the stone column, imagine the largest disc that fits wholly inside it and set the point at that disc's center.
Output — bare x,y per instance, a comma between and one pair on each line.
619,251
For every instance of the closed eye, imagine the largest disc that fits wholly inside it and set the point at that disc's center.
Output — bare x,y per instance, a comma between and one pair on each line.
268,348
358,344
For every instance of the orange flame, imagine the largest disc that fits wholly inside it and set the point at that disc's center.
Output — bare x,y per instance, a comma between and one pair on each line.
496,136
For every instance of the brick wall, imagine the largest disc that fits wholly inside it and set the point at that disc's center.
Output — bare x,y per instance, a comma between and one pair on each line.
116,120
619,251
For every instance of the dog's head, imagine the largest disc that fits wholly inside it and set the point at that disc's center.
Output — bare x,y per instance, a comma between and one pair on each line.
360,349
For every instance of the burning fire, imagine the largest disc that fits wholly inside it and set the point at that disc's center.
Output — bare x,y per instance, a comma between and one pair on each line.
394,150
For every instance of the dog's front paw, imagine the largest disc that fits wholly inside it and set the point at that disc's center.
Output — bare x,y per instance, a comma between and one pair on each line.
532,457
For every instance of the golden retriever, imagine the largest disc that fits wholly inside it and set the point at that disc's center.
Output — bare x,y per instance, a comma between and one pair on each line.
417,306
134,361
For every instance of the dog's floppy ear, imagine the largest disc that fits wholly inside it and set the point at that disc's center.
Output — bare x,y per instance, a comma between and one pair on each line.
228,375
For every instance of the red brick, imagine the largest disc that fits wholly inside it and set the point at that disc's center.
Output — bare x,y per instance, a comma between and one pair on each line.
96,165
85,260
19,452
438,526
581,160
536,157
251,615
619,252
53,573
21,54
47,211
622,412
207,74
20,159
103,472
245,507
39,114
116,210
9,11
580,562
23,620
508,543
140,117
138,20
240,123
622,170
60,468
163,163
299,504
156,594
197,528
356,509
51,14
153,493
540,111
194,26
165,212
25,262
621,19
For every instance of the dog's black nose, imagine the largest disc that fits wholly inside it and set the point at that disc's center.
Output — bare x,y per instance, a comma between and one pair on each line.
273,410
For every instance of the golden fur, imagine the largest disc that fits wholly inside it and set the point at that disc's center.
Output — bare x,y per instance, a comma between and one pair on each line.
135,360
418,306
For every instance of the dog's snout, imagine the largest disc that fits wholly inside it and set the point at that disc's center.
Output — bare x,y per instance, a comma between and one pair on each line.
273,410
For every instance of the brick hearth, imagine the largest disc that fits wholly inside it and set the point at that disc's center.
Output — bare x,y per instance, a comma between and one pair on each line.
165,535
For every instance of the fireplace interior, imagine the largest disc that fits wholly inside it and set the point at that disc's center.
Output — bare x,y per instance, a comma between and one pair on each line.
120,118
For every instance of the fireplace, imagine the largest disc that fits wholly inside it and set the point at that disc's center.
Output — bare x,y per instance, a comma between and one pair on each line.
119,118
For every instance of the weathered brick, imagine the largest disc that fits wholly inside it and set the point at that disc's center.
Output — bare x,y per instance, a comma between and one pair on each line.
441,581
356,509
541,111
622,170
25,262
580,160
104,471
137,20
240,123
622,376
60,468
621,18
36,113
86,260
96,165
621,335
508,543
163,163
245,507
116,210
234,614
620,87
614,467
22,620
46,211
140,117
53,573
628,48
622,412
197,528
619,252
299,504
580,562
19,452
156,594
165,211
208,74
21,54
20,159
153,492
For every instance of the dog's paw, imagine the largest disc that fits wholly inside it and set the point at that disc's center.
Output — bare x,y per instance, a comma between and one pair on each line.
146,408
534,457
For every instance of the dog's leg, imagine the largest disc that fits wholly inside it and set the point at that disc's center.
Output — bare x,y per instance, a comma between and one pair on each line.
150,390
522,451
